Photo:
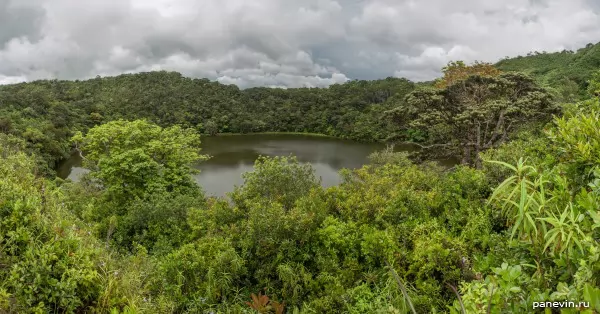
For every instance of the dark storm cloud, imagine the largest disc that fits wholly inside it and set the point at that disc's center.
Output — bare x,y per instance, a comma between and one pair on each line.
18,20
280,43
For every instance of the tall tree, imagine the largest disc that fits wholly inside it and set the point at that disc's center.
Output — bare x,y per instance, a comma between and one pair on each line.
476,113
457,70
138,157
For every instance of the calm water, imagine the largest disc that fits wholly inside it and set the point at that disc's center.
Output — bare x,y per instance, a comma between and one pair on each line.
233,155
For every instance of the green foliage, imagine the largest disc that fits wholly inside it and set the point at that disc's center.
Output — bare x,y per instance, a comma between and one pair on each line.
279,179
199,275
48,113
140,182
134,158
576,140
46,264
316,251
531,144
501,292
553,217
158,222
594,85
553,68
472,115
388,156
138,235
54,275
437,259
211,128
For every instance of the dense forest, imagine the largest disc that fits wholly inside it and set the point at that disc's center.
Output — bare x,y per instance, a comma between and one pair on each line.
46,113
568,72
516,224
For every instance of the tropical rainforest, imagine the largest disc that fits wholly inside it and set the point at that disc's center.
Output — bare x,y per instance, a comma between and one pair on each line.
516,223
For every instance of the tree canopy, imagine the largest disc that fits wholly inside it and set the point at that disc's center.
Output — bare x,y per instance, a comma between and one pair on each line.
136,158
475,113
516,226
557,68
457,71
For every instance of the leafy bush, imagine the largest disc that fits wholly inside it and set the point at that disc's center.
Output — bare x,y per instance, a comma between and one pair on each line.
138,235
46,263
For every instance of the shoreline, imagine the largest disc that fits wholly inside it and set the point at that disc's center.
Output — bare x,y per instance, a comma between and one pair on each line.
275,133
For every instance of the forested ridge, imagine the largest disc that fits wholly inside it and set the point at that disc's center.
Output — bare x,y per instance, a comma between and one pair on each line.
47,113
568,72
517,222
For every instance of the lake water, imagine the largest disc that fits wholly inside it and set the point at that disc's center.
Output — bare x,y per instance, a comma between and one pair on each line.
233,155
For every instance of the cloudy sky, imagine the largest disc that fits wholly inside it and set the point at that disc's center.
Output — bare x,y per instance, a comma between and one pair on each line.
280,42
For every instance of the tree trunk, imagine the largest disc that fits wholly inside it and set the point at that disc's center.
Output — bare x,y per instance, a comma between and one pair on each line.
478,148
466,159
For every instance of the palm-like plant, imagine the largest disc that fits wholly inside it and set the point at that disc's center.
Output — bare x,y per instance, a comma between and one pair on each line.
523,199
565,232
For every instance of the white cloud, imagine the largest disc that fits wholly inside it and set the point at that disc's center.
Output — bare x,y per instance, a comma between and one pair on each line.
11,79
277,42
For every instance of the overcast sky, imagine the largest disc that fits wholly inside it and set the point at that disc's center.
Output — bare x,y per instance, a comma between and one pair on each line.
280,42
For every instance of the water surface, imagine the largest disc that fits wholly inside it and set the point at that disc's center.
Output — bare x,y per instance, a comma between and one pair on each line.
234,155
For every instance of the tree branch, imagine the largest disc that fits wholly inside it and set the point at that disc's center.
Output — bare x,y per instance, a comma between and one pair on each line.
496,130
426,146
80,152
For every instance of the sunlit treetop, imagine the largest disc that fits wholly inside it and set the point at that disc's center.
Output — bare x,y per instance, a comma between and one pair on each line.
457,70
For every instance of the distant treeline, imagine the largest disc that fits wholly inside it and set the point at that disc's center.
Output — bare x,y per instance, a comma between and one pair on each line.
47,113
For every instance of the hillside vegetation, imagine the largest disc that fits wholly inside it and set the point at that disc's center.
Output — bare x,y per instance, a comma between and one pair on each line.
47,113
567,71
516,225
